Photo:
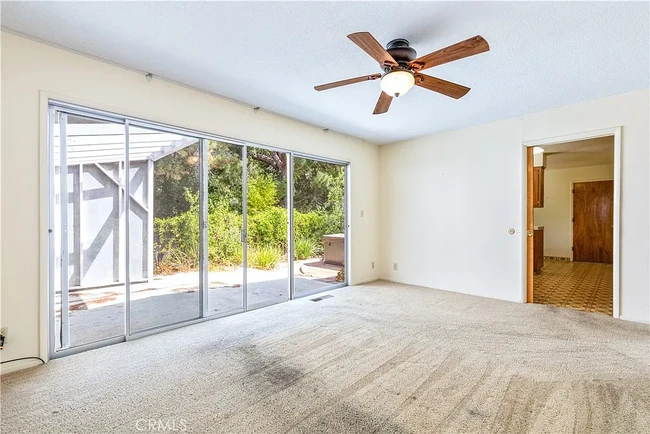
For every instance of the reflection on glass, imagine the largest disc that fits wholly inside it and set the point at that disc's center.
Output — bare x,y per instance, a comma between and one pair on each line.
319,225
164,228
267,268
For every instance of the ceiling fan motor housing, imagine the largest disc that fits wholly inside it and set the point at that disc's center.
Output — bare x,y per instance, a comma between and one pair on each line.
401,51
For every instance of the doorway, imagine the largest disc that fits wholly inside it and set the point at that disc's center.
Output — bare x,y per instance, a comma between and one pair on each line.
572,221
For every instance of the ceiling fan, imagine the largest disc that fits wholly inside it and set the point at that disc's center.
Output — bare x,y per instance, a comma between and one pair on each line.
402,68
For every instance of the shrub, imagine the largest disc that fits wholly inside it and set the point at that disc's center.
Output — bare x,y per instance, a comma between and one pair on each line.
224,237
314,224
177,240
264,258
304,248
177,237
268,228
262,193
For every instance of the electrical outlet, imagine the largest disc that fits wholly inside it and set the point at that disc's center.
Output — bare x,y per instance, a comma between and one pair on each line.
373,265
3,337
395,266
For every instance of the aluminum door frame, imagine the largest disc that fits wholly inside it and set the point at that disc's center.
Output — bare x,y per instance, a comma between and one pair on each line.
64,109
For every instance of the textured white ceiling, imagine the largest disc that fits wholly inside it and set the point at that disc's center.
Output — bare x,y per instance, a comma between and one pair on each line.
271,54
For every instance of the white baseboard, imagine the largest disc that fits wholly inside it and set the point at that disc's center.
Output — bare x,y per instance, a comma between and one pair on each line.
18,365
365,282
640,321
389,279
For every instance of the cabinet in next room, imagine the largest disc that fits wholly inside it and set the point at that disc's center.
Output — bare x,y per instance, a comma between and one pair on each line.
538,187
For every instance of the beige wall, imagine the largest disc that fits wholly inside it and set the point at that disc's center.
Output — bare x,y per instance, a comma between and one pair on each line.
31,72
447,203
449,199
558,203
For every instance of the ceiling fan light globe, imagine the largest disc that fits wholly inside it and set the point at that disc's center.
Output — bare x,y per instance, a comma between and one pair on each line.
397,83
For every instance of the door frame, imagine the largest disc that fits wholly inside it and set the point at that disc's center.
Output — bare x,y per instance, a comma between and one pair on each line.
527,290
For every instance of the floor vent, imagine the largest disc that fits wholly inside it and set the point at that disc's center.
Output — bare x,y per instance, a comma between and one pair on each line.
321,298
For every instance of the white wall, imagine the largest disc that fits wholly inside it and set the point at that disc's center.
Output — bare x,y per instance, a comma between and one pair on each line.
556,214
31,72
447,203
449,199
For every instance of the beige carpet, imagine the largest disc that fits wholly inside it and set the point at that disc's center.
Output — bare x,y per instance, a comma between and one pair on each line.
380,358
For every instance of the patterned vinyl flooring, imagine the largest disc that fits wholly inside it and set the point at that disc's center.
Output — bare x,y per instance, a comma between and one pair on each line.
585,286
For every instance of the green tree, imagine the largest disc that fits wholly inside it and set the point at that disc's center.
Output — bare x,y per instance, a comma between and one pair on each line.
225,175
318,186
174,175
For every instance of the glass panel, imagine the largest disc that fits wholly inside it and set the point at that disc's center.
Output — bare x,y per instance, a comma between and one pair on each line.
163,228
319,225
57,231
90,242
225,256
267,271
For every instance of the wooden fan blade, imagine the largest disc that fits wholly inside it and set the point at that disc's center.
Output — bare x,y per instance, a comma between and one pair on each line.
346,82
369,44
382,104
441,86
466,48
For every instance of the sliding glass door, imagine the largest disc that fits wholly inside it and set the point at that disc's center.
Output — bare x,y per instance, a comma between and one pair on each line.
153,226
267,273
164,230
319,238
224,209
87,253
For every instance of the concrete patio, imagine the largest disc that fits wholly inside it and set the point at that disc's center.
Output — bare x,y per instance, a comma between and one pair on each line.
98,313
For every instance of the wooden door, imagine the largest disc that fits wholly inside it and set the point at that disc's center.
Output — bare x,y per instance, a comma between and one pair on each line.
593,221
